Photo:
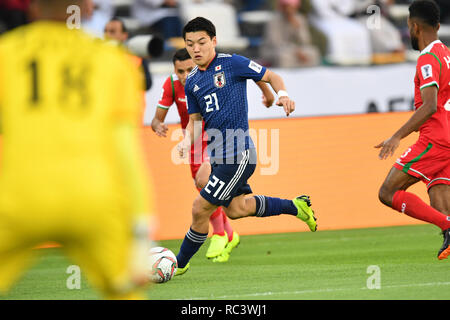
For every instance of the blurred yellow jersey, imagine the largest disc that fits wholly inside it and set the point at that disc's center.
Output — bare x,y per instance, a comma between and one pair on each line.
71,167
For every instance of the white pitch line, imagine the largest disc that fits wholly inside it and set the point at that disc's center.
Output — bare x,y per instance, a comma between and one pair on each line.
262,294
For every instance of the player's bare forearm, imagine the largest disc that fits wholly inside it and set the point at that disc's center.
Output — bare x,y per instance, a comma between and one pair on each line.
268,96
420,116
277,84
189,133
416,121
192,133
158,125
192,128
275,80
428,108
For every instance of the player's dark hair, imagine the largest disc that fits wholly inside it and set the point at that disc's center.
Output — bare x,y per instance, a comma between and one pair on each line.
181,55
200,24
122,23
425,10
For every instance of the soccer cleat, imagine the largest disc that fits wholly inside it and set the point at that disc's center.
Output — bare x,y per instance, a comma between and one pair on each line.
217,245
305,213
444,252
181,271
234,242
225,255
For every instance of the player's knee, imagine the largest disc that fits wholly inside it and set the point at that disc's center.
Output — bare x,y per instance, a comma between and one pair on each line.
385,195
200,182
200,209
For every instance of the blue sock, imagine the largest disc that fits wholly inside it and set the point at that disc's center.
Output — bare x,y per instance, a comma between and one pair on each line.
267,206
191,243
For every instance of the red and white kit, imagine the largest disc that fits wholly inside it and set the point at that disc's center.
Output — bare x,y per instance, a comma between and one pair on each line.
173,91
429,158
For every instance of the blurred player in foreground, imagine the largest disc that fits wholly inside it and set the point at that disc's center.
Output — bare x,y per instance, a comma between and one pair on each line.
216,92
429,158
72,169
224,239
116,30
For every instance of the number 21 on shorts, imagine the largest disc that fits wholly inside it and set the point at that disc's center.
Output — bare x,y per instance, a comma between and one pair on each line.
216,181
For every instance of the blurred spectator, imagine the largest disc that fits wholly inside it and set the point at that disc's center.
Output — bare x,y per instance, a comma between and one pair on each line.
158,16
287,39
384,36
102,11
348,40
318,38
13,13
116,30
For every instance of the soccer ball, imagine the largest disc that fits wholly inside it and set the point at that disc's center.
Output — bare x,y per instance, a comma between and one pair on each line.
163,264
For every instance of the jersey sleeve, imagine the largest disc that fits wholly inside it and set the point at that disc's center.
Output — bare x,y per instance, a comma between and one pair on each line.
428,70
167,94
246,68
191,101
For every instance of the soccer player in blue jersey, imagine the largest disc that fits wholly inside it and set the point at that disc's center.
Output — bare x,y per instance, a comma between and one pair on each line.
216,92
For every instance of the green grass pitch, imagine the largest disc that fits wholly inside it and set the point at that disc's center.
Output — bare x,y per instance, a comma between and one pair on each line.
360,264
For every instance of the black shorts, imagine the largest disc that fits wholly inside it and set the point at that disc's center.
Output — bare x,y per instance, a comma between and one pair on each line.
227,181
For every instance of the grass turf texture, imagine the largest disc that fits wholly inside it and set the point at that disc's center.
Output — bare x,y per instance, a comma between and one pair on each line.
289,266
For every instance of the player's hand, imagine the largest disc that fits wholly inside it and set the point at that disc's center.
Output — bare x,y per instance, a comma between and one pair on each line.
268,100
161,130
388,147
183,149
287,104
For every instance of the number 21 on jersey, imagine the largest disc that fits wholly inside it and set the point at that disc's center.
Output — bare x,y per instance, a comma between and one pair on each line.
212,103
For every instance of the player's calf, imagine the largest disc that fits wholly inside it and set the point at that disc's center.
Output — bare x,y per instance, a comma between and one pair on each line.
241,207
440,198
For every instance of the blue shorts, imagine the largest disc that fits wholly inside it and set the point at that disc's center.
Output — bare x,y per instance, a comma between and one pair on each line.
227,181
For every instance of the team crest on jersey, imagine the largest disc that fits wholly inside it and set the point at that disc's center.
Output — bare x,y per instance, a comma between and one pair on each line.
219,79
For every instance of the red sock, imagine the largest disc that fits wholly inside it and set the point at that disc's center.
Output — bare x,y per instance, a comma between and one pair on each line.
227,226
413,206
216,221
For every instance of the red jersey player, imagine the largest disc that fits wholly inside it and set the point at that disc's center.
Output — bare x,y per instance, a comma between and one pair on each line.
224,239
429,158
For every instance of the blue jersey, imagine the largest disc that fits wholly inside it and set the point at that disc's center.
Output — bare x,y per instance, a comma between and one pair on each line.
219,94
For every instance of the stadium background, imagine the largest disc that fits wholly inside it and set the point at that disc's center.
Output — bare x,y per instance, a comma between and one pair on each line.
326,148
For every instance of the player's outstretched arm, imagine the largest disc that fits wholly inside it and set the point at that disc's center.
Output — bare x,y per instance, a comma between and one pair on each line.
158,125
428,108
192,133
277,84
268,98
